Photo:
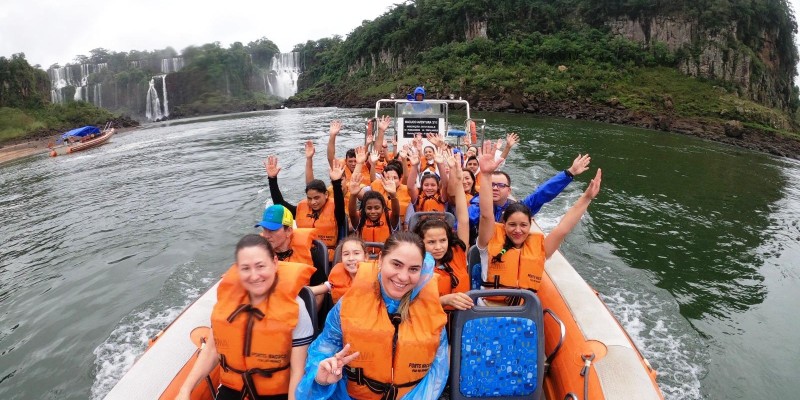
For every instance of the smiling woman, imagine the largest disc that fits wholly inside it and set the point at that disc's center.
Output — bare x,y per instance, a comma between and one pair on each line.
387,330
243,318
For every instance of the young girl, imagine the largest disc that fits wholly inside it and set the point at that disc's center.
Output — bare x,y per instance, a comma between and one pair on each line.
374,221
430,195
449,249
511,255
354,252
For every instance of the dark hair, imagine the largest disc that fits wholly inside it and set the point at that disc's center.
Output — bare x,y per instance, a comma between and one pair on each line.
429,147
253,240
372,194
508,178
403,237
353,238
421,197
470,158
452,239
351,153
512,209
472,190
395,166
317,185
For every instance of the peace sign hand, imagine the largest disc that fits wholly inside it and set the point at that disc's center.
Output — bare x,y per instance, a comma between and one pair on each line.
330,369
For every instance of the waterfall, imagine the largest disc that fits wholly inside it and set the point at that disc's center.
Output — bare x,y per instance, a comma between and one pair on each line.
283,74
153,108
164,89
173,64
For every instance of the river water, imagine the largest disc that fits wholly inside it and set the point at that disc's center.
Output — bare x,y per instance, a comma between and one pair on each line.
693,245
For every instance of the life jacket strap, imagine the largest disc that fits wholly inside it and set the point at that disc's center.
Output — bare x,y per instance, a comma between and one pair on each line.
388,391
253,313
249,387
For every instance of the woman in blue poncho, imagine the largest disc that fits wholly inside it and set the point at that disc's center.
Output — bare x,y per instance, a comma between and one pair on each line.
385,339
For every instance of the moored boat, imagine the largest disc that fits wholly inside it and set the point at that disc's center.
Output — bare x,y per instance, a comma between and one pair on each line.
81,139
586,352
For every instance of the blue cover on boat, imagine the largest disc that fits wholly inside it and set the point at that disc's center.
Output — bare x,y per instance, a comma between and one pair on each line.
81,132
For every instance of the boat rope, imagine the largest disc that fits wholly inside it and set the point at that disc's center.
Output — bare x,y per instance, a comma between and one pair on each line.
587,363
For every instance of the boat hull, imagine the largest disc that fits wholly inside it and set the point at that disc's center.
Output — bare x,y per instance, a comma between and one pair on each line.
76,147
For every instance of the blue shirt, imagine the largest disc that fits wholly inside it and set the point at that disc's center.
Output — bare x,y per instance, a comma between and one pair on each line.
543,194
329,343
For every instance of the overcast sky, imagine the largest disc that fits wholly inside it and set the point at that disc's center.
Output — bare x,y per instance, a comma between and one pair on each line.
55,31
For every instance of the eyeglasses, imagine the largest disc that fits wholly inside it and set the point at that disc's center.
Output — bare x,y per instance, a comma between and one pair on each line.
499,185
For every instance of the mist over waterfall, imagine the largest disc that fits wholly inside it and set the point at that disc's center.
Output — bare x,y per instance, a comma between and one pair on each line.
283,73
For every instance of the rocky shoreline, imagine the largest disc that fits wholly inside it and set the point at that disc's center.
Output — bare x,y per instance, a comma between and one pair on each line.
730,132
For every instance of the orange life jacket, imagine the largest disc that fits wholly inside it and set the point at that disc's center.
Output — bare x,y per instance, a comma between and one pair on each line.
519,268
341,281
348,174
402,196
426,203
267,346
366,325
454,277
301,246
381,164
323,222
375,231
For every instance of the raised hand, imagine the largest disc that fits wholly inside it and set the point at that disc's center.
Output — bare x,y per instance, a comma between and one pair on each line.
438,156
310,149
336,126
384,122
580,164
330,369
354,186
337,170
417,142
361,154
389,185
413,156
271,165
404,152
512,139
455,166
486,160
374,156
370,138
594,186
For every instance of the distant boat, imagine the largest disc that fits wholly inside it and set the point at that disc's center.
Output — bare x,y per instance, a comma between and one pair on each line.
81,139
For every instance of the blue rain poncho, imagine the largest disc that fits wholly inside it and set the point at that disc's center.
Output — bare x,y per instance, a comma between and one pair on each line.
329,343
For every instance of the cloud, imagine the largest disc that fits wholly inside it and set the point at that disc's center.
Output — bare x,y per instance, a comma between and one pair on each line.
55,31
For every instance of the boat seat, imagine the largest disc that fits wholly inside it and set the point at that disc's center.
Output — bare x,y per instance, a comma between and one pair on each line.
497,352
474,267
419,217
319,255
311,306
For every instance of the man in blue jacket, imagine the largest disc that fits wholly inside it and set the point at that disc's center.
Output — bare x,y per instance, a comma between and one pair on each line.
501,190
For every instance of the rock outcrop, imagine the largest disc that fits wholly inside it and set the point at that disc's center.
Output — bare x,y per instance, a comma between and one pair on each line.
716,54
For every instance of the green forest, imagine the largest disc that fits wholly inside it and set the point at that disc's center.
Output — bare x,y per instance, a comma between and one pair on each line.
735,61
564,50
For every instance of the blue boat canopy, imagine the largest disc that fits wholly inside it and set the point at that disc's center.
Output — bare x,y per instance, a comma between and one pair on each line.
81,132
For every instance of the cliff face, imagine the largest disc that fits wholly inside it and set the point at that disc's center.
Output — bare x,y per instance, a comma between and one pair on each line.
758,73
